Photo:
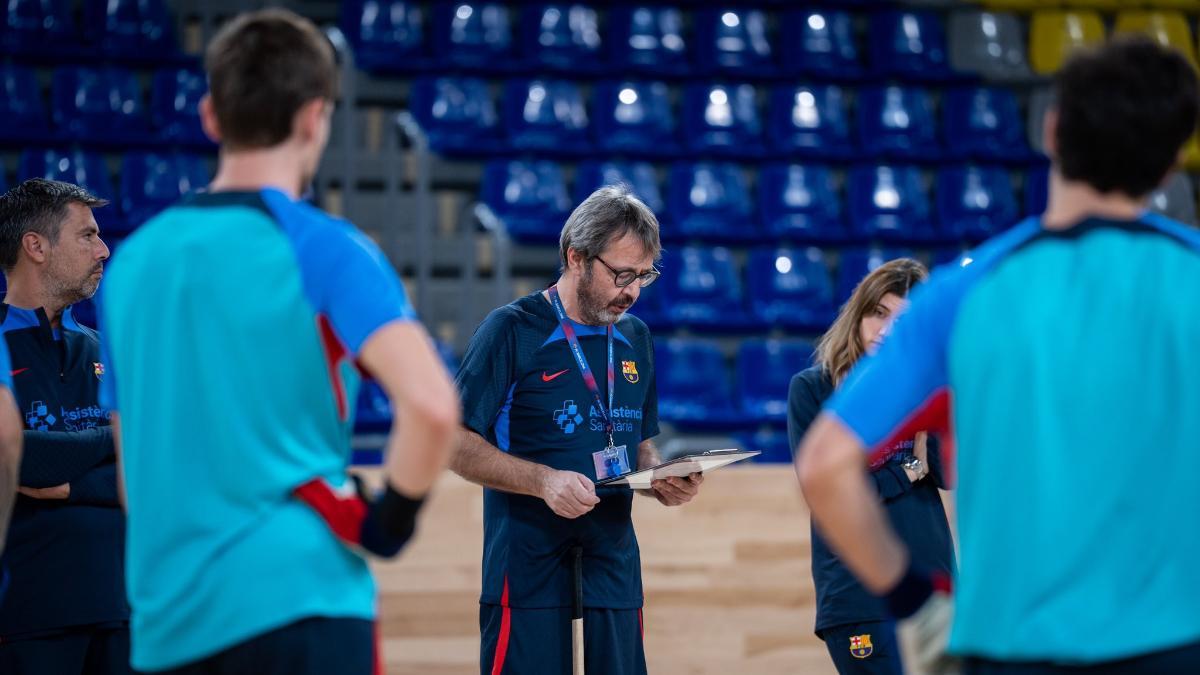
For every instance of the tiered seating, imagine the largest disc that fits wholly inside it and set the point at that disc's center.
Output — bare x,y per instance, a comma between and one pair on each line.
975,203
701,287
175,106
991,44
634,118
889,203
474,35
98,105
897,122
639,176
150,182
733,41
909,44
547,116
21,108
820,42
1053,35
709,200
790,288
800,203
983,123
810,121
722,120
647,40
694,387
561,37
529,197
764,370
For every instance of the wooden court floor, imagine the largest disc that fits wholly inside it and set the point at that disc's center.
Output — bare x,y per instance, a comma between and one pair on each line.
727,581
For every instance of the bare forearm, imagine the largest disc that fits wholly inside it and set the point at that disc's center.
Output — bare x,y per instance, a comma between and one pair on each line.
483,463
648,455
418,450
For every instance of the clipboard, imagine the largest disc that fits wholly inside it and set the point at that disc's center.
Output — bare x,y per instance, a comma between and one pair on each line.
699,462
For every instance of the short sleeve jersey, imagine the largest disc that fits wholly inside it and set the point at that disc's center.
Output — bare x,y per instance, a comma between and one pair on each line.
231,323
522,391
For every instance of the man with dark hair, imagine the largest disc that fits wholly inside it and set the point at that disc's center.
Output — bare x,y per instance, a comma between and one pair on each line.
543,424
1067,364
235,321
66,610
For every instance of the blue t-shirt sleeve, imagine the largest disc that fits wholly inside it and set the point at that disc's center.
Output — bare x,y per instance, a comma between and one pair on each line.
903,388
5,365
485,378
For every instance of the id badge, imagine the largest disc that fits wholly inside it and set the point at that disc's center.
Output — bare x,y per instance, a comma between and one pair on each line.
611,461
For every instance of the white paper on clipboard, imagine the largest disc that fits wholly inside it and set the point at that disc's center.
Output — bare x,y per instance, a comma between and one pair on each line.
680,466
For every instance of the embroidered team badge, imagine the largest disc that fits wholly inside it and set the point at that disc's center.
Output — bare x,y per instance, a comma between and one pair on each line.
860,646
629,370
98,368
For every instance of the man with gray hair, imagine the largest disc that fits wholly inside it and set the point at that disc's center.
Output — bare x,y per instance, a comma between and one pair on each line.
558,392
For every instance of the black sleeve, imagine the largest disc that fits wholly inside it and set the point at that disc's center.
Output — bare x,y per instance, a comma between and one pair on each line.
936,466
650,407
52,458
97,487
487,371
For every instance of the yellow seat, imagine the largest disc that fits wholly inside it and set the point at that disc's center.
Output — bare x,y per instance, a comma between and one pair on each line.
1185,5
1055,34
1168,28
1097,4
1026,5
1191,154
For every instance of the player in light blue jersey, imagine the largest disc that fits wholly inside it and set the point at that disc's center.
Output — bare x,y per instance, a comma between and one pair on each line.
1064,362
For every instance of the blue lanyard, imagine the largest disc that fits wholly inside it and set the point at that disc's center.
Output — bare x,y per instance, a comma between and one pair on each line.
589,378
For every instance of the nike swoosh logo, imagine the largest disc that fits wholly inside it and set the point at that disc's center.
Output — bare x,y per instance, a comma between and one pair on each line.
18,371
547,378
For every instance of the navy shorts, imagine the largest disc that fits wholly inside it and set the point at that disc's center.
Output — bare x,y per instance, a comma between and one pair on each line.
864,648
538,641
81,651
317,646
1183,660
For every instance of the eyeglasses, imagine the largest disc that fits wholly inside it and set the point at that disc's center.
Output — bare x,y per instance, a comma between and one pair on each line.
623,278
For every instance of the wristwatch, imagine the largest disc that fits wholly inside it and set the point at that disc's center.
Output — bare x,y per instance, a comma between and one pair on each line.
915,465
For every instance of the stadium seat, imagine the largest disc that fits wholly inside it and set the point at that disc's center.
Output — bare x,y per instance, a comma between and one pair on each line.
373,411
40,27
764,371
790,288
709,200
810,121
909,44
457,114
1026,5
560,37
989,44
78,167
139,30
694,387
21,107
546,115
800,202
975,203
1191,154
388,35
701,288
732,41
150,182
1169,29
98,105
530,198
1104,5
1176,199
1037,190
1186,5
889,203
639,176
634,118
983,123
175,106
1039,102
855,264
722,120
647,40
897,122
474,35
772,443
1054,34
820,42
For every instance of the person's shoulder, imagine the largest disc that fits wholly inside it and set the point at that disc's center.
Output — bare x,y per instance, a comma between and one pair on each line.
813,379
516,315
633,327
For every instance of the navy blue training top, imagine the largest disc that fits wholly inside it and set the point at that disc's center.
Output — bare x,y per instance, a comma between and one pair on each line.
522,391
915,510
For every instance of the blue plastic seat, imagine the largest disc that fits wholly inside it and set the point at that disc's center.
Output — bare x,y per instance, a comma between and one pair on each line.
810,121
529,197
561,37
150,182
799,202
647,39
40,27
474,35
855,264
820,42
710,201
790,287
897,122
388,35
764,371
78,167
175,106
889,203
634,118
21,107
639,176
909,44
733,41
984,123
701,288
1036,190
98,105
694,387
722,120
140,30
457,114
772,443
975,203
546,115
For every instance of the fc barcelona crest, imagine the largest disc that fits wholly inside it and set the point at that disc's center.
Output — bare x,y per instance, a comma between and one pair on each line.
860,646
98,368
629,370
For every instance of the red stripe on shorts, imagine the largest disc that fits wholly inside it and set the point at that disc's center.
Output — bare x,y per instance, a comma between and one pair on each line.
505,630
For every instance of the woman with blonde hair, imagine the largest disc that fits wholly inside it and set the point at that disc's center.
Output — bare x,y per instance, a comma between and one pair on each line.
854,623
